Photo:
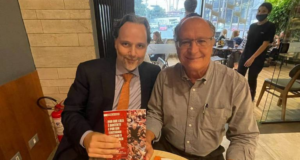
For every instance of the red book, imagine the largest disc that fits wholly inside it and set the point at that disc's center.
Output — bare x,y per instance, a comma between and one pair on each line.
130,127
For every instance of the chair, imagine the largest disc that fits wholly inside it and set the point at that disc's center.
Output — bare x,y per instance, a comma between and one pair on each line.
217,35
230,43
217,58
154,57
161,63
282,51
283,48
165,40
284,87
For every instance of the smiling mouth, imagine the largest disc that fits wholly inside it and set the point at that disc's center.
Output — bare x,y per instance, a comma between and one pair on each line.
194,58
131,60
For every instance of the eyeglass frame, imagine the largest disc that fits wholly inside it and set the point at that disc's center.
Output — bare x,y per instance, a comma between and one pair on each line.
191,40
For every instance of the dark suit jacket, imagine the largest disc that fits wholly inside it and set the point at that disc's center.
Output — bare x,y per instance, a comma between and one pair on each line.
92,93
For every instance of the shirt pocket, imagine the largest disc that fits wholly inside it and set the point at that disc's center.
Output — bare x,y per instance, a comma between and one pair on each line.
214,119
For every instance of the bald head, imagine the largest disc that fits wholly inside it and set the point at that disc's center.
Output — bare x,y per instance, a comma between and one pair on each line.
193,22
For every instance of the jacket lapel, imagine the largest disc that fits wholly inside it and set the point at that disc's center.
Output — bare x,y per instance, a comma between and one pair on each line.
108,82
144,86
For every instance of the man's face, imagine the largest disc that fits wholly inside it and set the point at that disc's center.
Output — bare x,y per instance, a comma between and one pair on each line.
131,45
197,55
134,126
142,143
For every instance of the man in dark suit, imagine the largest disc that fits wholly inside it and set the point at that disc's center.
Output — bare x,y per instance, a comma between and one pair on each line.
98,87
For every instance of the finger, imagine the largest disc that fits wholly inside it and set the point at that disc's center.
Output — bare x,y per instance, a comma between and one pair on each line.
100,156
104,145
148,155
106,138
149,152
103,151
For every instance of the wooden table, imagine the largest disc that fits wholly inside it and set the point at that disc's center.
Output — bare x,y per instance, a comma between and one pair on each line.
166,155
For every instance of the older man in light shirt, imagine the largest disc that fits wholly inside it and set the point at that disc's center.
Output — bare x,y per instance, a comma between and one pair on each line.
192,101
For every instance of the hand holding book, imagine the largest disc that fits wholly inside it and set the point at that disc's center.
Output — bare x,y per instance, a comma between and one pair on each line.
99,145
130,128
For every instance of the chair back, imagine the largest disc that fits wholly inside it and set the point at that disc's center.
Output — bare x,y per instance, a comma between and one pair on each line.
165,40
294,74
217,35
243,44
294,71
284,47
230,43
161,63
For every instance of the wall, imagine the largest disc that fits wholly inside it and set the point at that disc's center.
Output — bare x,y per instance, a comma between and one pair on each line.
15,56
20,117
61,36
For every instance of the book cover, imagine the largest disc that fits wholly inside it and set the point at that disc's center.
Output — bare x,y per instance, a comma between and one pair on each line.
130,127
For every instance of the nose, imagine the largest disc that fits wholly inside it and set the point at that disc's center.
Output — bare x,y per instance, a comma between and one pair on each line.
193,47
132,51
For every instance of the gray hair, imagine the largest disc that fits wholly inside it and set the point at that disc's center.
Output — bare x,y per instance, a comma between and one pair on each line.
178,27
134,19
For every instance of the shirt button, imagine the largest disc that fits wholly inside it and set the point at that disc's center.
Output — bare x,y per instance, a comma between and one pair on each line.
192,108
190,125
194,89
188,142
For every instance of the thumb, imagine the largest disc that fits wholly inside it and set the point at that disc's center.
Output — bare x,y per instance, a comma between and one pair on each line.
148,156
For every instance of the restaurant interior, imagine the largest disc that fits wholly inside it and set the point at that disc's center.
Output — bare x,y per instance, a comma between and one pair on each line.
42,42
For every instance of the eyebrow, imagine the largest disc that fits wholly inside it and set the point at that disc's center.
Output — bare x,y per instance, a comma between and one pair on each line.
196,38
122,41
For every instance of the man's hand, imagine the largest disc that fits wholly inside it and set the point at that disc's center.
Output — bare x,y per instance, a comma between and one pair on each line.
99,145
249,62
149,151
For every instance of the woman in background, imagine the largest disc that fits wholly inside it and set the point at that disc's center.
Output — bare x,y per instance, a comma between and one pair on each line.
261,34
223,35
157,38
235,55
235,37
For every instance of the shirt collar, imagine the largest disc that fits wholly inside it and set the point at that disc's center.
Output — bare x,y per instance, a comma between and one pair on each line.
206,77
120,70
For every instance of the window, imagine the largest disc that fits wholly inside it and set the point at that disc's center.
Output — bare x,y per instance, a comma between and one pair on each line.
163,15
231,14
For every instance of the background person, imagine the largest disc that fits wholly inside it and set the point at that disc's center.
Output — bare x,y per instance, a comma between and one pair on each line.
261,34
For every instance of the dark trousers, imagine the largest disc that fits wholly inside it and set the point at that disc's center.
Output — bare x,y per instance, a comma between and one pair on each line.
254,70
164,145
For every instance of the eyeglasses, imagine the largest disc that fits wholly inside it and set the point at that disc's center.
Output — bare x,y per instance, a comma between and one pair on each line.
186,44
